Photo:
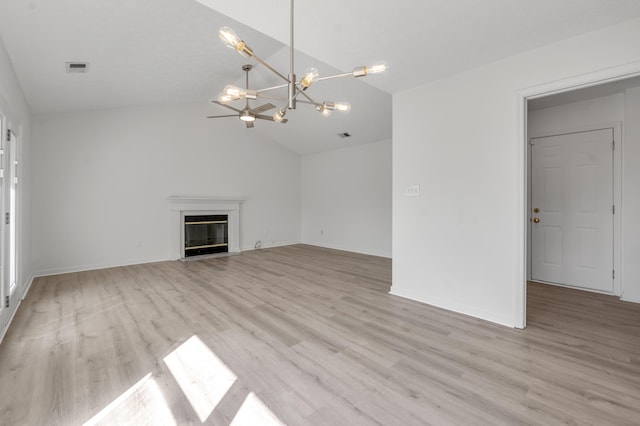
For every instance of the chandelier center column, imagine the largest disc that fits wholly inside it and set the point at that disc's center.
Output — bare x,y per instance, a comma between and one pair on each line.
292,76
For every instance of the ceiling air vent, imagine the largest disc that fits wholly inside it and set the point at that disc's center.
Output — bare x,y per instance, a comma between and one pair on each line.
77,67
344,135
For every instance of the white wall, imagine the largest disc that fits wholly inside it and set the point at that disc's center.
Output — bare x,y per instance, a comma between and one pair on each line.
457,245
15,109
101,181
346,199
631,197
598,111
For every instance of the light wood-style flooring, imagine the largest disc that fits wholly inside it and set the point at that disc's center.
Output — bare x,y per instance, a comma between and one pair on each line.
306,336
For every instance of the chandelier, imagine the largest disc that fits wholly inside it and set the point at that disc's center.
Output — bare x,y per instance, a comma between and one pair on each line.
296,89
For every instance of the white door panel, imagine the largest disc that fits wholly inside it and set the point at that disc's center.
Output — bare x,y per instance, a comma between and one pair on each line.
572,187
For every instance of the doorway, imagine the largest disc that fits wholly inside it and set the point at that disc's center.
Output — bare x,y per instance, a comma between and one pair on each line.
574,90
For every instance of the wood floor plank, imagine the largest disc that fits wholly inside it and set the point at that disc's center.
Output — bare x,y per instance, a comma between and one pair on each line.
315,336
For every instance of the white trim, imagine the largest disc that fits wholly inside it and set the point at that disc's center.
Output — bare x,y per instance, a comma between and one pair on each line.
590,290
594,78
96,266
520,291
619,217
272,245
457,308
27,287
3,332
630,299
334,247
203,199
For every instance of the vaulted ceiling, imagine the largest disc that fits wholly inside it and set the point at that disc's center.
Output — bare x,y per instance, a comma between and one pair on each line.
144,52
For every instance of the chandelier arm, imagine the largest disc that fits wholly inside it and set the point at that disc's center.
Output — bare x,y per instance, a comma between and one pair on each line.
306,96
226,106
329,77
276,72
280,86
276,98
310,103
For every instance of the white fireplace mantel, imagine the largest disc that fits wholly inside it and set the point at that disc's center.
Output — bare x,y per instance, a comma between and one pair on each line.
181,205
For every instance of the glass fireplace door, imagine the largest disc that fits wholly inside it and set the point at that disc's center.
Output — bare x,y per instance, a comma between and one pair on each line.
206,234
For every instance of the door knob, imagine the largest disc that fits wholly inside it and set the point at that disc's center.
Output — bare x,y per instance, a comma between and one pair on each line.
536,220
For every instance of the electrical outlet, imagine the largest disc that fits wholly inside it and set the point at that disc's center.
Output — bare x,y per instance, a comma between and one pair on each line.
412,191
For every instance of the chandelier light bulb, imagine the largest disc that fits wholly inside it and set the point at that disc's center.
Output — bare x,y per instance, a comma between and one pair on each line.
310,75
371,69
234,92
342,106
279,116
224,99
324,110
231,40
228,37
376,69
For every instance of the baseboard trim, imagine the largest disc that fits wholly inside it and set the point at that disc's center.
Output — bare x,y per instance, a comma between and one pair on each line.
630,299
457,308
106,265
96,266
4,331
352,250
272,245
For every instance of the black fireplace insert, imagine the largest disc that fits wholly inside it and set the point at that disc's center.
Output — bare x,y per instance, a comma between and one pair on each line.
206,234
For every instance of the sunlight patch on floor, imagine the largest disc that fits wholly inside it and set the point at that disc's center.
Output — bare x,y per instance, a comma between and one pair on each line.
254,412
204,380
202,376
141,404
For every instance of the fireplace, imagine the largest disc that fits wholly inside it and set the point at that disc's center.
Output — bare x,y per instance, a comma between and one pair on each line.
205,234
184,207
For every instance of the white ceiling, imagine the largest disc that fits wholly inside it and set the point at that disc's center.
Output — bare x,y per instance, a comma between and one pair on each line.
140,52
424,40
145,52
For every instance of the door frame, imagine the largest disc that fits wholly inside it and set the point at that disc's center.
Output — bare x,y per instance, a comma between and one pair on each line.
10,122
11,181
5,312
594,78
616,127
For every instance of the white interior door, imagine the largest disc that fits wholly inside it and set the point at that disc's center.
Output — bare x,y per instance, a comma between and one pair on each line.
572,209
